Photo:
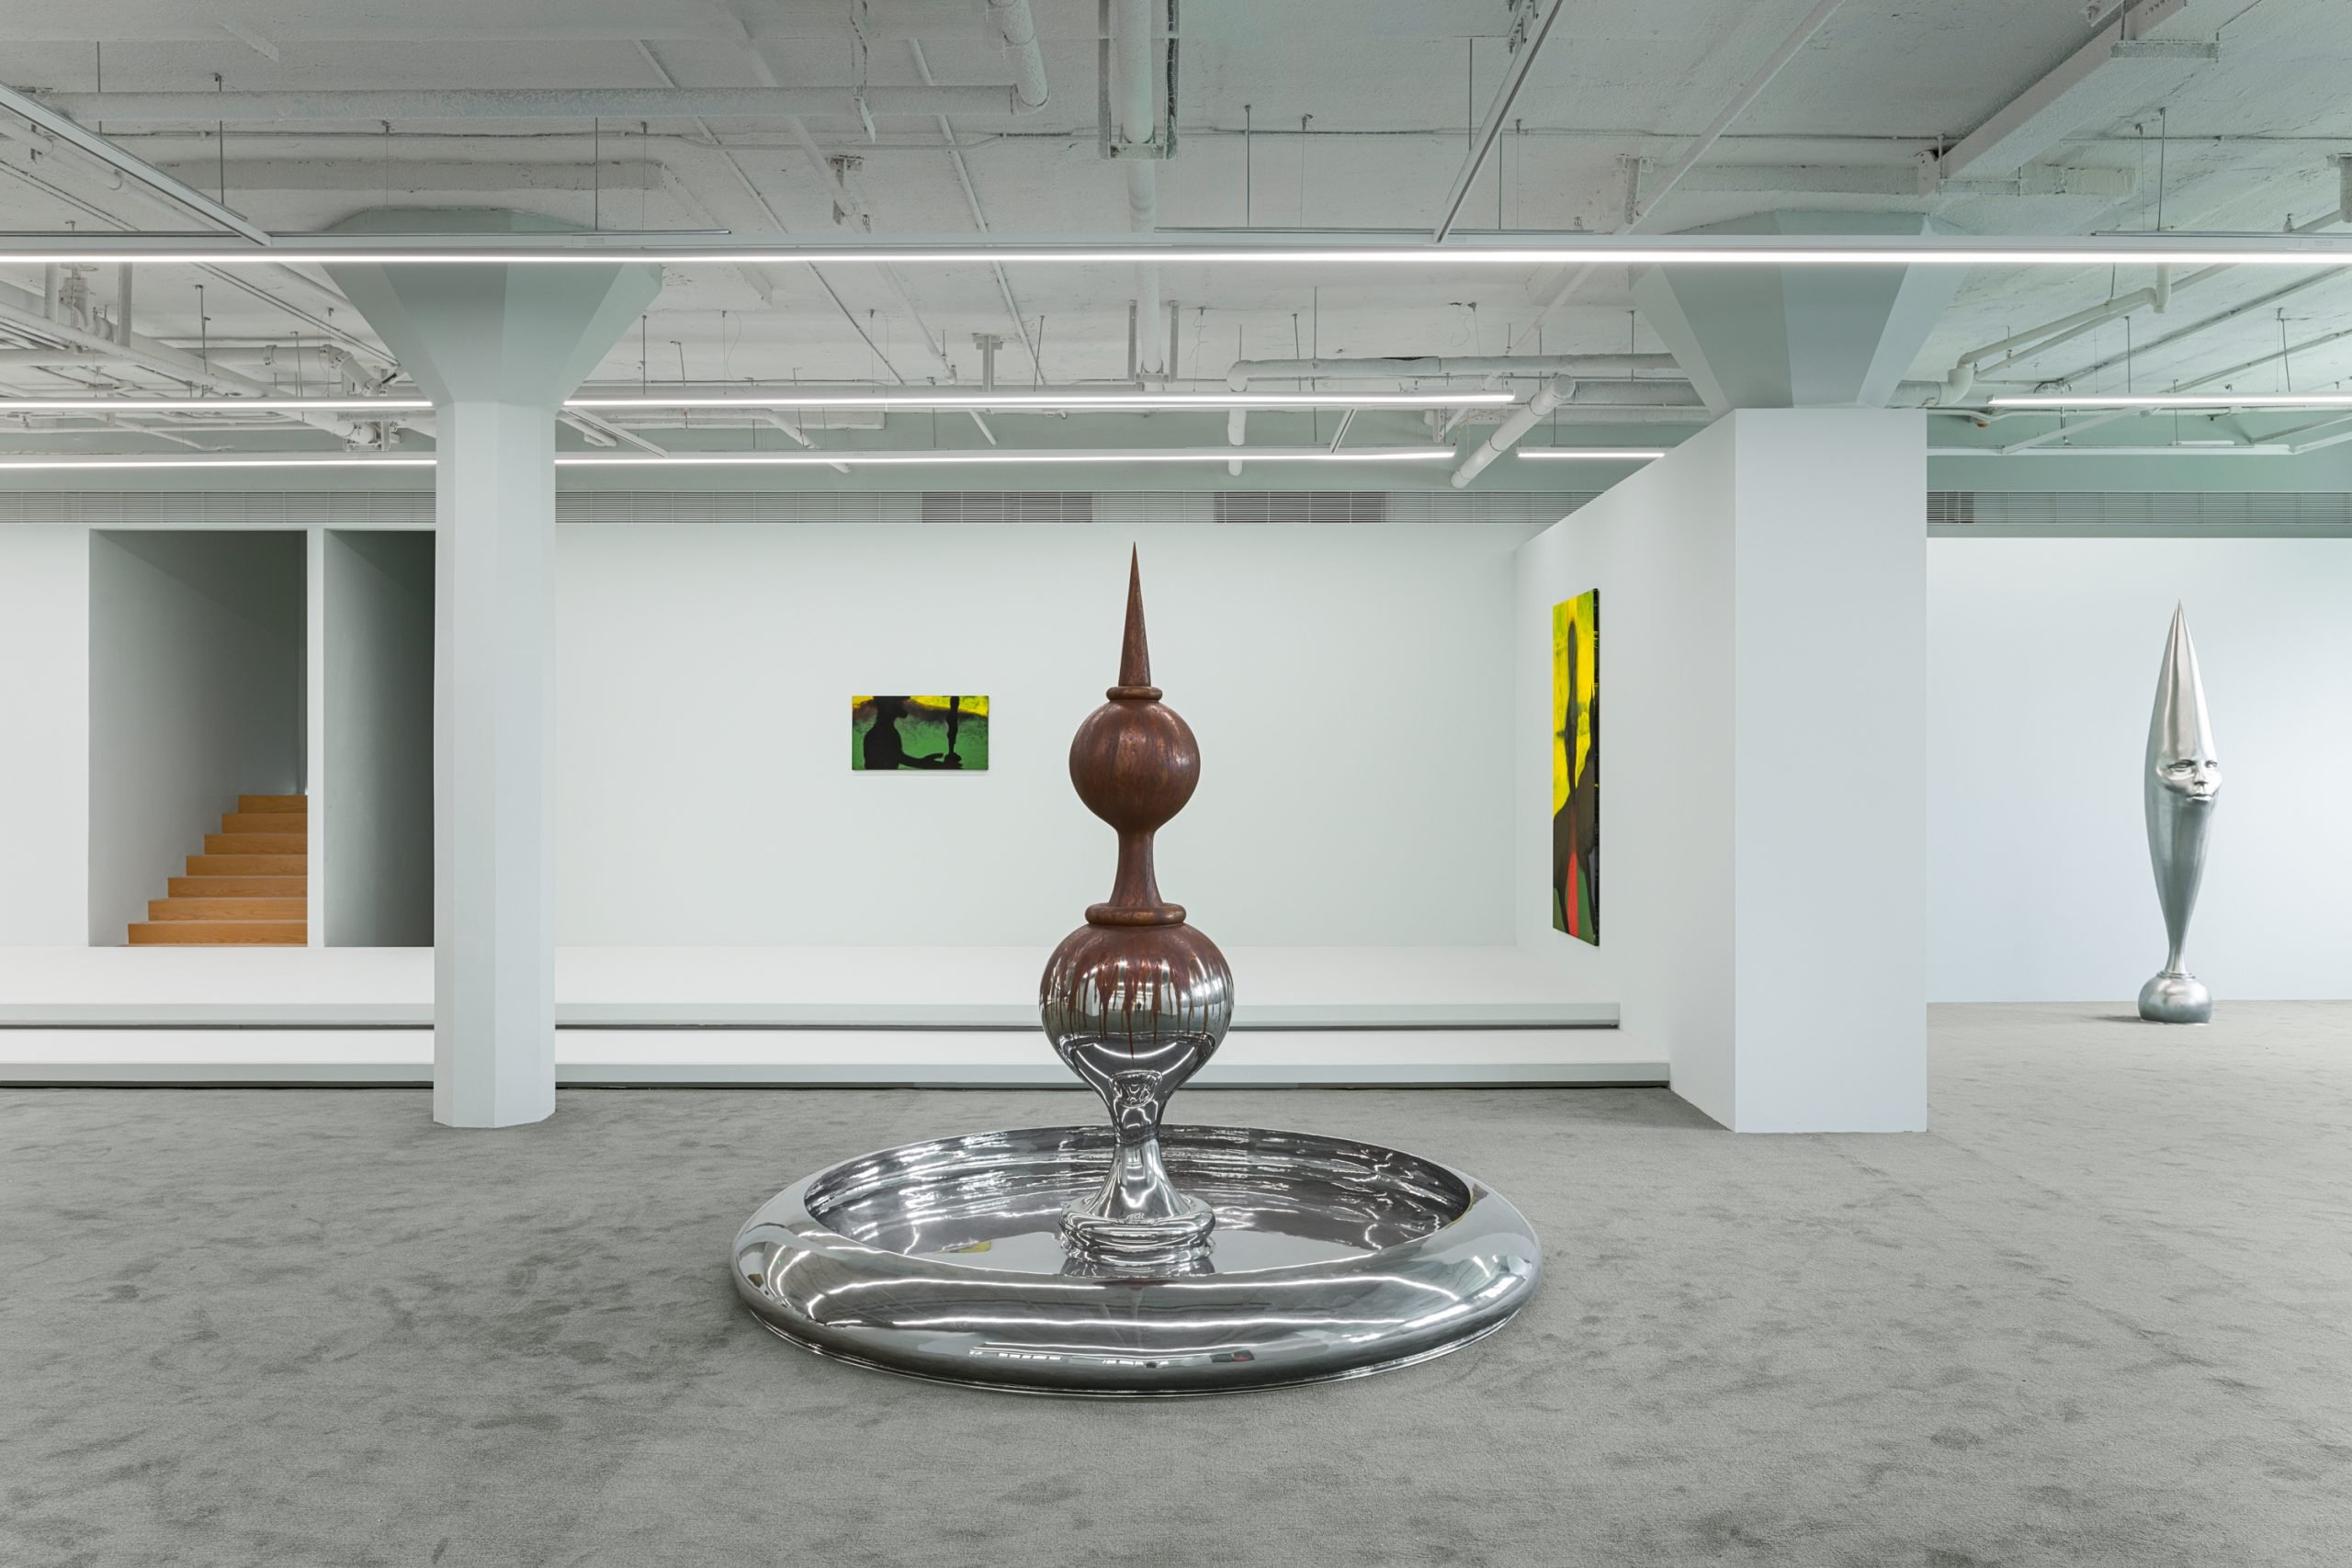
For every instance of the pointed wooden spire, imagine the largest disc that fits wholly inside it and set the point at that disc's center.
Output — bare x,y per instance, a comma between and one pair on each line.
1134,654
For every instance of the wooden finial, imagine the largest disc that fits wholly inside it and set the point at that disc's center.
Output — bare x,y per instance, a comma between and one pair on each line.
1134,654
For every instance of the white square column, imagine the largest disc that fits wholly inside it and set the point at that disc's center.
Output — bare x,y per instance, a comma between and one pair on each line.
1762,665
498,347
493,918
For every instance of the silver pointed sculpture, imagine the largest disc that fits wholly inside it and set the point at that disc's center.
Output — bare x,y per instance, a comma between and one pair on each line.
2178,785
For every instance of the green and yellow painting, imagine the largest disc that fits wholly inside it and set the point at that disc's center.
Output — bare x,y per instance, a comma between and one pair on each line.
1576,766
888,734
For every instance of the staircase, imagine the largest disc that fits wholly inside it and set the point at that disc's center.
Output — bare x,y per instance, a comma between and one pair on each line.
249,887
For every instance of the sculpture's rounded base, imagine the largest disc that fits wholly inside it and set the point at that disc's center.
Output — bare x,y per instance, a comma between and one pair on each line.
1119,1243
2172,997
1329,1259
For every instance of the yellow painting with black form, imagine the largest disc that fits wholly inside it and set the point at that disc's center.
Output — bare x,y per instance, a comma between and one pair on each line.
891,734
1574,872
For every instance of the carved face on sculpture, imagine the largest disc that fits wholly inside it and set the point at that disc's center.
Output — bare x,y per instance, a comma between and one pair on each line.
2183,770
2193,779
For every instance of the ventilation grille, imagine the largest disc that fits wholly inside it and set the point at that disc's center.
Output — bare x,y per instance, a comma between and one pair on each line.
1301,506
220,508
1992,514
413,508
1008,506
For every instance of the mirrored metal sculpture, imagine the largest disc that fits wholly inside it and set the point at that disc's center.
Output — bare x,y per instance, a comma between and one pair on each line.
1139,1258
2178,782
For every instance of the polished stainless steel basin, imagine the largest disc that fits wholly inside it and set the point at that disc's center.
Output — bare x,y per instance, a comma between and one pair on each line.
1330,1259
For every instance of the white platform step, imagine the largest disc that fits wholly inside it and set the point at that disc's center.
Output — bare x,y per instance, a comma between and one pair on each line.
937,1016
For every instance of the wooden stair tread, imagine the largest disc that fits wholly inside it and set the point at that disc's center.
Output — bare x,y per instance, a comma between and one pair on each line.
249,886
248,866
273,803
225,886
219,934
256,844
228,909
265,822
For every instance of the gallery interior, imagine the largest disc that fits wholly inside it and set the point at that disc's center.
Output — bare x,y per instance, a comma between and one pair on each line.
734,728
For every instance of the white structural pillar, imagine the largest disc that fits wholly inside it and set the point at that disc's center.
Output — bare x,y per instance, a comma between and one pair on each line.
1756,337
1762,693
497,348
1762,668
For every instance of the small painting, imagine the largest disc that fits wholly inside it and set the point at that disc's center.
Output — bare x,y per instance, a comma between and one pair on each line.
1575,767
891,734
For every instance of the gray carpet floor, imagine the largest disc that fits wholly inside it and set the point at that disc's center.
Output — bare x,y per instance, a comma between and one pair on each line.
2101,1314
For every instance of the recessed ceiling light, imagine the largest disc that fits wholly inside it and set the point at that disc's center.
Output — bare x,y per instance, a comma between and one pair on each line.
760,459
1684,250
1055,400
827,458
1590,453
211,405
271,460
2175,400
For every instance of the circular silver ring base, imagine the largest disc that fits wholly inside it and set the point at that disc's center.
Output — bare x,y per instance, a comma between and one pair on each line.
1331,1258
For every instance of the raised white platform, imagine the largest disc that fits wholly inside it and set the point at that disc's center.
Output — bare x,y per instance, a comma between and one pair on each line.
933,1016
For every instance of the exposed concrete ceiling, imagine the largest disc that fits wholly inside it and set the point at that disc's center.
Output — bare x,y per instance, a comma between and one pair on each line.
1316,114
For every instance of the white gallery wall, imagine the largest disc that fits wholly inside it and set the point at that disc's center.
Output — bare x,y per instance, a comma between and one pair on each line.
45,717
2042,666
1352,688
378,719
196,671
1761,814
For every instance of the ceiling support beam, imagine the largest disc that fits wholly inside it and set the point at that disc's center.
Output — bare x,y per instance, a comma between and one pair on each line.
2125,66
371,105
58,124
1496,113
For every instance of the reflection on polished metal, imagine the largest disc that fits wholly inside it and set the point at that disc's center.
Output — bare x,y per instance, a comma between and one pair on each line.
945,1260
1136,1258
1135,1001
2178,783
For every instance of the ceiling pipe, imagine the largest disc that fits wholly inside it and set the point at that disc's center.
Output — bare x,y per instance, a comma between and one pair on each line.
1640,209
369,104
20,311
1018,31
1131,94
61,126
972,196
1244,371
2110,416
1496,112
1506,436
2262,302
2034,340
1496,368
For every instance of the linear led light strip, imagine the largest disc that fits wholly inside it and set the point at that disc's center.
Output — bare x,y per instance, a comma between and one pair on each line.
918,400
1590,453
770,459
2176,400
1689,251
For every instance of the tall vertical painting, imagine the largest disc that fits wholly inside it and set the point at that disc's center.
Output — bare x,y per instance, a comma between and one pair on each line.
1576,766
887,734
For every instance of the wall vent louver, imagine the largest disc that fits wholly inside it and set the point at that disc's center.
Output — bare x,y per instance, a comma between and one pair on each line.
2001,513
1008,506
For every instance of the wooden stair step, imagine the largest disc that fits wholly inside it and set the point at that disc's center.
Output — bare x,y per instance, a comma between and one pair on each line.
221,886
248,866
273,803
219,934
265,822
207,908
256,844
